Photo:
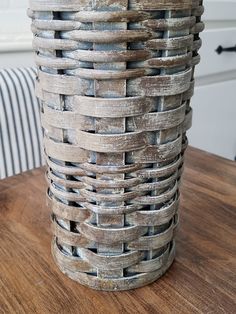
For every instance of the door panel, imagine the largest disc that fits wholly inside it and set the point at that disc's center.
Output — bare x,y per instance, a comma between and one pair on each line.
214,119
211,62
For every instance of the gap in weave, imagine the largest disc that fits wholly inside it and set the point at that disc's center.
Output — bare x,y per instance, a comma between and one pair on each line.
128,273
72,224
158,229
62,248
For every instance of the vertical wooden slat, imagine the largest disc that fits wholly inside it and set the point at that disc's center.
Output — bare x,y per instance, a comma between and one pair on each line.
106,89
169,102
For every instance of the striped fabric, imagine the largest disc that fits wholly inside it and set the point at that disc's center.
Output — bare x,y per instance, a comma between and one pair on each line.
20,130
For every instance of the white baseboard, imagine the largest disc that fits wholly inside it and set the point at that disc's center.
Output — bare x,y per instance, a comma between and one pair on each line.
17,59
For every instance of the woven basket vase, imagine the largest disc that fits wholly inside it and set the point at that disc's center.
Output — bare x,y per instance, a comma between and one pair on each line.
115,80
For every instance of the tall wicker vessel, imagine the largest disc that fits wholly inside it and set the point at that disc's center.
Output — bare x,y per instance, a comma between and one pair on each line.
115,79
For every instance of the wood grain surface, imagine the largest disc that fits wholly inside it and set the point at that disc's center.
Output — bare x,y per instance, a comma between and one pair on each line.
201,280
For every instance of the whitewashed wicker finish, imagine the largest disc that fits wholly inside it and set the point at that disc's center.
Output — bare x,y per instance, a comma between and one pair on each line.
115,79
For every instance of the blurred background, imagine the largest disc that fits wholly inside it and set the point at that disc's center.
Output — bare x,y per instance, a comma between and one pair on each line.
214,104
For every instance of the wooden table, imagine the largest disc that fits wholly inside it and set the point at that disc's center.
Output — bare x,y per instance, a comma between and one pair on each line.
201,280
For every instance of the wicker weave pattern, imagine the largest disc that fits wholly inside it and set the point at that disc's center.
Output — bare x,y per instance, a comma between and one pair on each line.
115,79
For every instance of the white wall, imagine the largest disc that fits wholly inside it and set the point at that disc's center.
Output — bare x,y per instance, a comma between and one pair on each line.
214,110
15,34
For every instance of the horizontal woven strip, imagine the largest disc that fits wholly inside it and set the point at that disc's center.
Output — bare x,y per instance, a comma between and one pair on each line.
126,16
132,281
89,235
78,153
151,86
78,5
139,217
112,262
91,107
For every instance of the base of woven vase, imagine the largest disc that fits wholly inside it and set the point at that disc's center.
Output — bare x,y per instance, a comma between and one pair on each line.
112,284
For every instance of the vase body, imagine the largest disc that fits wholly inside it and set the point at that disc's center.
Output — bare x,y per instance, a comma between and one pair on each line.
115,80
